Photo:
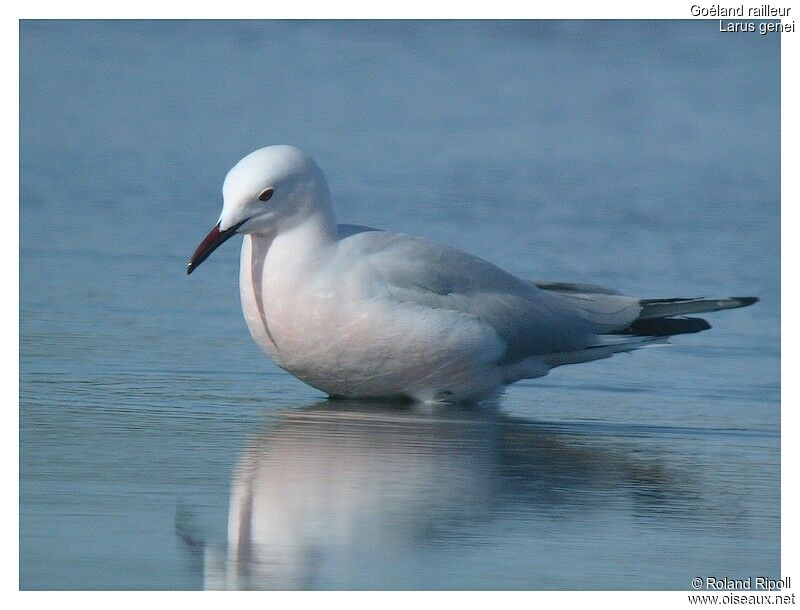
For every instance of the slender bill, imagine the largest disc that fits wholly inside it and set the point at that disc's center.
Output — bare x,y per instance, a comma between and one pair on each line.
212,241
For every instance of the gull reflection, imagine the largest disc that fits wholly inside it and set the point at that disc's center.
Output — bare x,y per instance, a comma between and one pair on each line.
344,495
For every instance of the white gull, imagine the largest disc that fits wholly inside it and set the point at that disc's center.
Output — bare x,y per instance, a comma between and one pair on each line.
359,312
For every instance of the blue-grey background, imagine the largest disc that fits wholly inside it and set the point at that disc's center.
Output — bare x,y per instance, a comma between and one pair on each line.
642,155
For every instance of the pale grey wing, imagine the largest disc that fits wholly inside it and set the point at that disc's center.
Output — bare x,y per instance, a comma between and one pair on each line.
606,309
575,288
343,231
529,320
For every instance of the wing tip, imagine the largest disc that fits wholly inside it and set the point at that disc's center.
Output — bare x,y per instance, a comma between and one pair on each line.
745,301
666,327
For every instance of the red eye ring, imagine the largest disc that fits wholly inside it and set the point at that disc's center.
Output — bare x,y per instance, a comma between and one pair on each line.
265,194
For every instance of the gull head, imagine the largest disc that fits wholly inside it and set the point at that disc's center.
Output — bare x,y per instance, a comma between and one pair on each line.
270,190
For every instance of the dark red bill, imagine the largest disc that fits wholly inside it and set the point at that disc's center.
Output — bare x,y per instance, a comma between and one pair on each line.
213,240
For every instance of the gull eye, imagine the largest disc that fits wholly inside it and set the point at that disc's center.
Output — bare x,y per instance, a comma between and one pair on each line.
265,194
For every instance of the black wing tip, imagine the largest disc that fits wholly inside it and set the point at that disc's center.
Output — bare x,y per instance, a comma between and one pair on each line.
745,301
666,327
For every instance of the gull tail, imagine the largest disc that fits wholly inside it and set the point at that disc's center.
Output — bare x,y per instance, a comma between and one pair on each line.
657,316
623,323
613,313
656,321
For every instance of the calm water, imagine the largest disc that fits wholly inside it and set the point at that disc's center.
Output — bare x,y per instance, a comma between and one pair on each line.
160,449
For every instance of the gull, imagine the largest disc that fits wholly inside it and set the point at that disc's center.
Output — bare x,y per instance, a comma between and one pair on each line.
358,312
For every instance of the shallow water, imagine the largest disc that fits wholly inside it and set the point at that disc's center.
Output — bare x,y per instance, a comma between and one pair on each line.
644,156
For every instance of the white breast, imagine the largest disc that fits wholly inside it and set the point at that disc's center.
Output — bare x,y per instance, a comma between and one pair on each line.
251,276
